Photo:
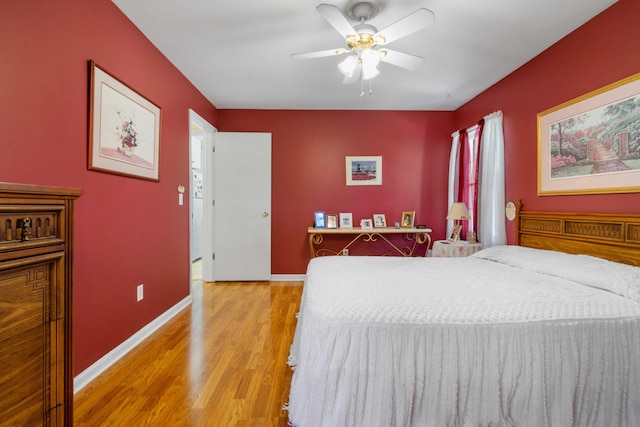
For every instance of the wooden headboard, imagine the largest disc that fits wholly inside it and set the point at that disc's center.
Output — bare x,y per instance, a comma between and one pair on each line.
609,236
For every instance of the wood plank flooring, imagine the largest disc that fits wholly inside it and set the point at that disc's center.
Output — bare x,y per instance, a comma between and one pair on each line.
221,362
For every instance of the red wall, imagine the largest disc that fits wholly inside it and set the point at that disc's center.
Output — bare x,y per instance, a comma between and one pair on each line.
601,52
309,149
127,231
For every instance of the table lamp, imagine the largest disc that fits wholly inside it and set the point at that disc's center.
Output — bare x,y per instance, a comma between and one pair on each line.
458,212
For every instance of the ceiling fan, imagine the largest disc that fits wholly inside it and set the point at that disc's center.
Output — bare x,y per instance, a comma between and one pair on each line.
364,49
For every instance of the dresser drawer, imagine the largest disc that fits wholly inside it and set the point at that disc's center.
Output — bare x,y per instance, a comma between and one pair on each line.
31,229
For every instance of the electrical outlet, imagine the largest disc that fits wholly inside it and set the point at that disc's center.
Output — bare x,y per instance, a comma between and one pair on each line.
140,290
345,252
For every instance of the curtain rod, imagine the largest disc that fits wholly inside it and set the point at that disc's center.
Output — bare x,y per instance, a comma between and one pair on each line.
474,127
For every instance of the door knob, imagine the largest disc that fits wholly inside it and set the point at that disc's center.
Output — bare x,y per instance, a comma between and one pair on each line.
265,214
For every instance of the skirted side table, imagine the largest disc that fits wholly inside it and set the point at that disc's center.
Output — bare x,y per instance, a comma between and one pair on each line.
443,248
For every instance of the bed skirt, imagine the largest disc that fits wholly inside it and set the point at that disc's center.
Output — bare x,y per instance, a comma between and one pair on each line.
557,373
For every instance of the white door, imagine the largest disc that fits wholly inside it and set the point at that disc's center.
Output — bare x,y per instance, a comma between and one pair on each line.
242,204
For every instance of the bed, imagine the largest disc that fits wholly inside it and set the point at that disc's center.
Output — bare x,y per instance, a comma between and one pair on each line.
522,335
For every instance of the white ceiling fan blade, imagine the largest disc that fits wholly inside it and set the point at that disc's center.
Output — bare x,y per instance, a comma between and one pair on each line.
319,54
337,20
404,60
354,77
416,21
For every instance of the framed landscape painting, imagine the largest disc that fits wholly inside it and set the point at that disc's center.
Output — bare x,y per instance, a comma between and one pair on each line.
124,129
591,144
364,170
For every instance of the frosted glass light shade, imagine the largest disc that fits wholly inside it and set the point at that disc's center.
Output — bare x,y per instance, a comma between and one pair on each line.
348,65
370,60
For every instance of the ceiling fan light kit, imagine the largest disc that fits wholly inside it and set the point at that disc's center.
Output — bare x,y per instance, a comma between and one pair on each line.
362,40
348,66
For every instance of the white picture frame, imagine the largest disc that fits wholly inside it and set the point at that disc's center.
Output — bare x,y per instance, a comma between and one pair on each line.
363,170
366,224
346,220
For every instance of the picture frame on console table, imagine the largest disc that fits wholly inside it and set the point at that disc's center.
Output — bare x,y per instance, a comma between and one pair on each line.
366,224
346,220
332,221
379,220
408,219
591,144
319,220
124,129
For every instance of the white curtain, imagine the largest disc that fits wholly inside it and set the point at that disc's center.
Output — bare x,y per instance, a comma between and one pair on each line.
453,178
491,181
491,220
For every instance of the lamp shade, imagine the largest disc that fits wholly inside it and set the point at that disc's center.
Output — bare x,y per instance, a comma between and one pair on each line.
458,211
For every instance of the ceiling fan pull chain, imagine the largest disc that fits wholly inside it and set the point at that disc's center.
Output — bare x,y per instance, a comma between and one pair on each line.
361,86
370,86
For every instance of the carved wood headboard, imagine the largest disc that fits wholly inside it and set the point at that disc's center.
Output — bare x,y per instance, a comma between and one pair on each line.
609,236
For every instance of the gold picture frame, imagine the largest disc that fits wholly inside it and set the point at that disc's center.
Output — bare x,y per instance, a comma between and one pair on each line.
379,221
408,219
591,144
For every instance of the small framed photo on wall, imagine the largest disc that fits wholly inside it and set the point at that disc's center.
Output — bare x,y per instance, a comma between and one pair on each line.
332,221
379,220
346,220
319,220
363,170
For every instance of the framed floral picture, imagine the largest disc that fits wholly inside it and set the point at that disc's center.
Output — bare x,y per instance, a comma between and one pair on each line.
124,129
332,221
592,144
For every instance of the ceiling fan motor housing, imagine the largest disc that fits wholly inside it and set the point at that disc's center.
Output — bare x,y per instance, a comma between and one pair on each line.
363,10
365,37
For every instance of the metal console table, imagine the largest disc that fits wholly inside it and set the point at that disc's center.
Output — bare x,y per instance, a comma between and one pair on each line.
414,238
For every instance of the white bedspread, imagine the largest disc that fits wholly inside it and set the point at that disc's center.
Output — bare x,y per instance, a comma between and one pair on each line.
501,338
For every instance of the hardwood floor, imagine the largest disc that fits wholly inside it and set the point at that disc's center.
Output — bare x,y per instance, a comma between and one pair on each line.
221,362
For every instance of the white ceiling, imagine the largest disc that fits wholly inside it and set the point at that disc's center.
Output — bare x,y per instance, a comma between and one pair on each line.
237,52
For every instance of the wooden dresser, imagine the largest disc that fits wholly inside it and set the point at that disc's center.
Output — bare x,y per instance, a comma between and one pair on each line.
36,248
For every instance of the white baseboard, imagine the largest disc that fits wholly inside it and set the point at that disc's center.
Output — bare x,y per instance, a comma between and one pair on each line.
288,277
102,364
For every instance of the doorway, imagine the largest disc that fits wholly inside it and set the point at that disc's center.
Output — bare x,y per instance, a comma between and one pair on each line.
200,136
230,209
